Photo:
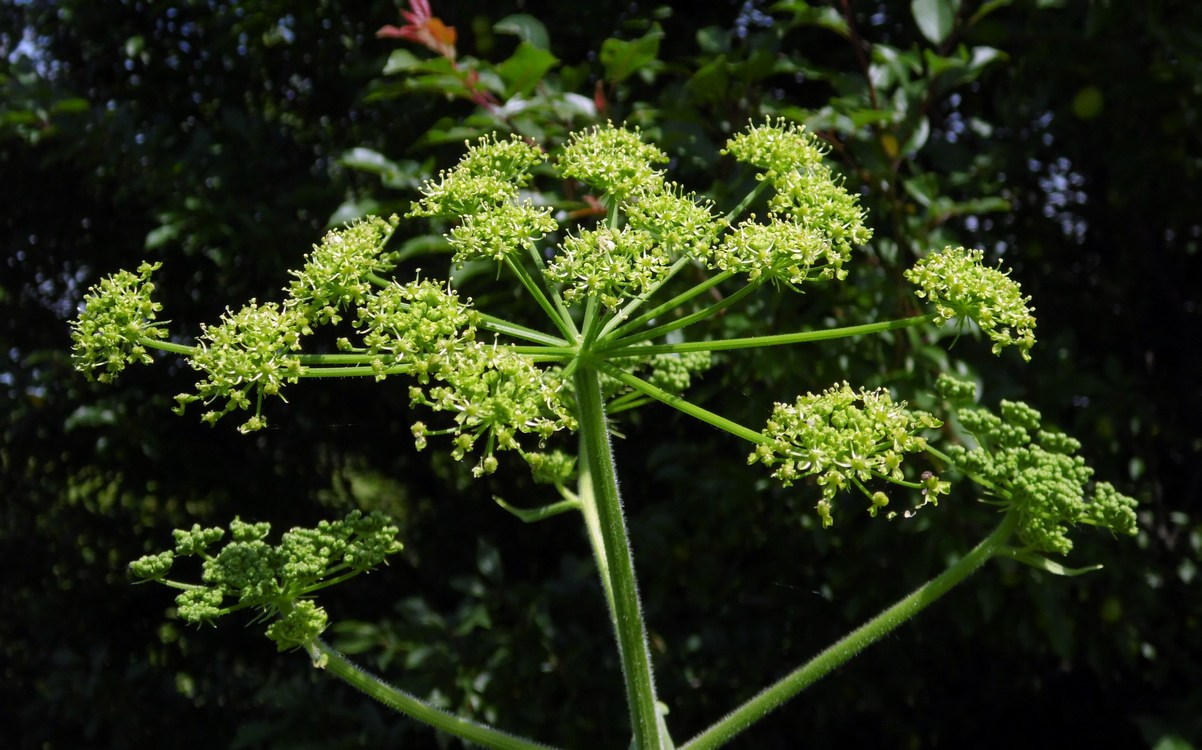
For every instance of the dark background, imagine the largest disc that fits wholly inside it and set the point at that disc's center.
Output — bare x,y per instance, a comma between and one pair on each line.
209,135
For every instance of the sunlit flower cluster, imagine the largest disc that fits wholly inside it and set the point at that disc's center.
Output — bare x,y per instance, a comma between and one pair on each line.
615,161
959,286
780,251
681,223
499,231
244,358
495,395
335,275
419,325
610,264
118,314
844,438
805,189
491,174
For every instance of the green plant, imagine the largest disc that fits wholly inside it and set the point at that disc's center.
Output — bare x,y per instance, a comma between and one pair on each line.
612,296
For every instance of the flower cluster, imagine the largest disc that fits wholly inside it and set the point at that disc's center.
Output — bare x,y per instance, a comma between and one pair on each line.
782,250
248,572
250,352
494,394
491,174
117,318
500,231
335,275
419,325
960,286
806,190
615,161
1038,476
610,264
680,223
426,329
843,437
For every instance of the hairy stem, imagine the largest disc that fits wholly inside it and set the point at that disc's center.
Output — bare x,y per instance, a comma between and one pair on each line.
399,700
627,613
855,642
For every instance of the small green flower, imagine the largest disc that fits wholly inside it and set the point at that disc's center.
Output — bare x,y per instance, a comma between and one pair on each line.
419,324
844,438
959,286
680,223
118,317
496,395
778,148
806,190
249,353
615,161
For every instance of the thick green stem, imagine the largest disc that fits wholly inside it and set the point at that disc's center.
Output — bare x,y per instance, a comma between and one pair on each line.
341,667
855,642
627,613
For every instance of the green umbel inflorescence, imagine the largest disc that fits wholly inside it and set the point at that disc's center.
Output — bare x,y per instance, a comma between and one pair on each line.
805,189
491,174
248,572
960,287
245,358
1034,472
118,317
336,274
844,438
494,392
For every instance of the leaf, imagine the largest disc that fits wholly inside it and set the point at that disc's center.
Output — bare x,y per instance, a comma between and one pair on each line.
400,61
525,27
392,174
935,18
352,209
623,59
918,137
525,68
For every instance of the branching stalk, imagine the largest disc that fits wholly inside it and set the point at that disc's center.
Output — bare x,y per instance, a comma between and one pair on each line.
342,668
855,642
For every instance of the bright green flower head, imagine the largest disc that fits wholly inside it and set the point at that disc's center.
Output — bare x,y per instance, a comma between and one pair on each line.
245,358
336,274
780,251
959,286
615,161
844,438
491,174
613,265
118,316
790,159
